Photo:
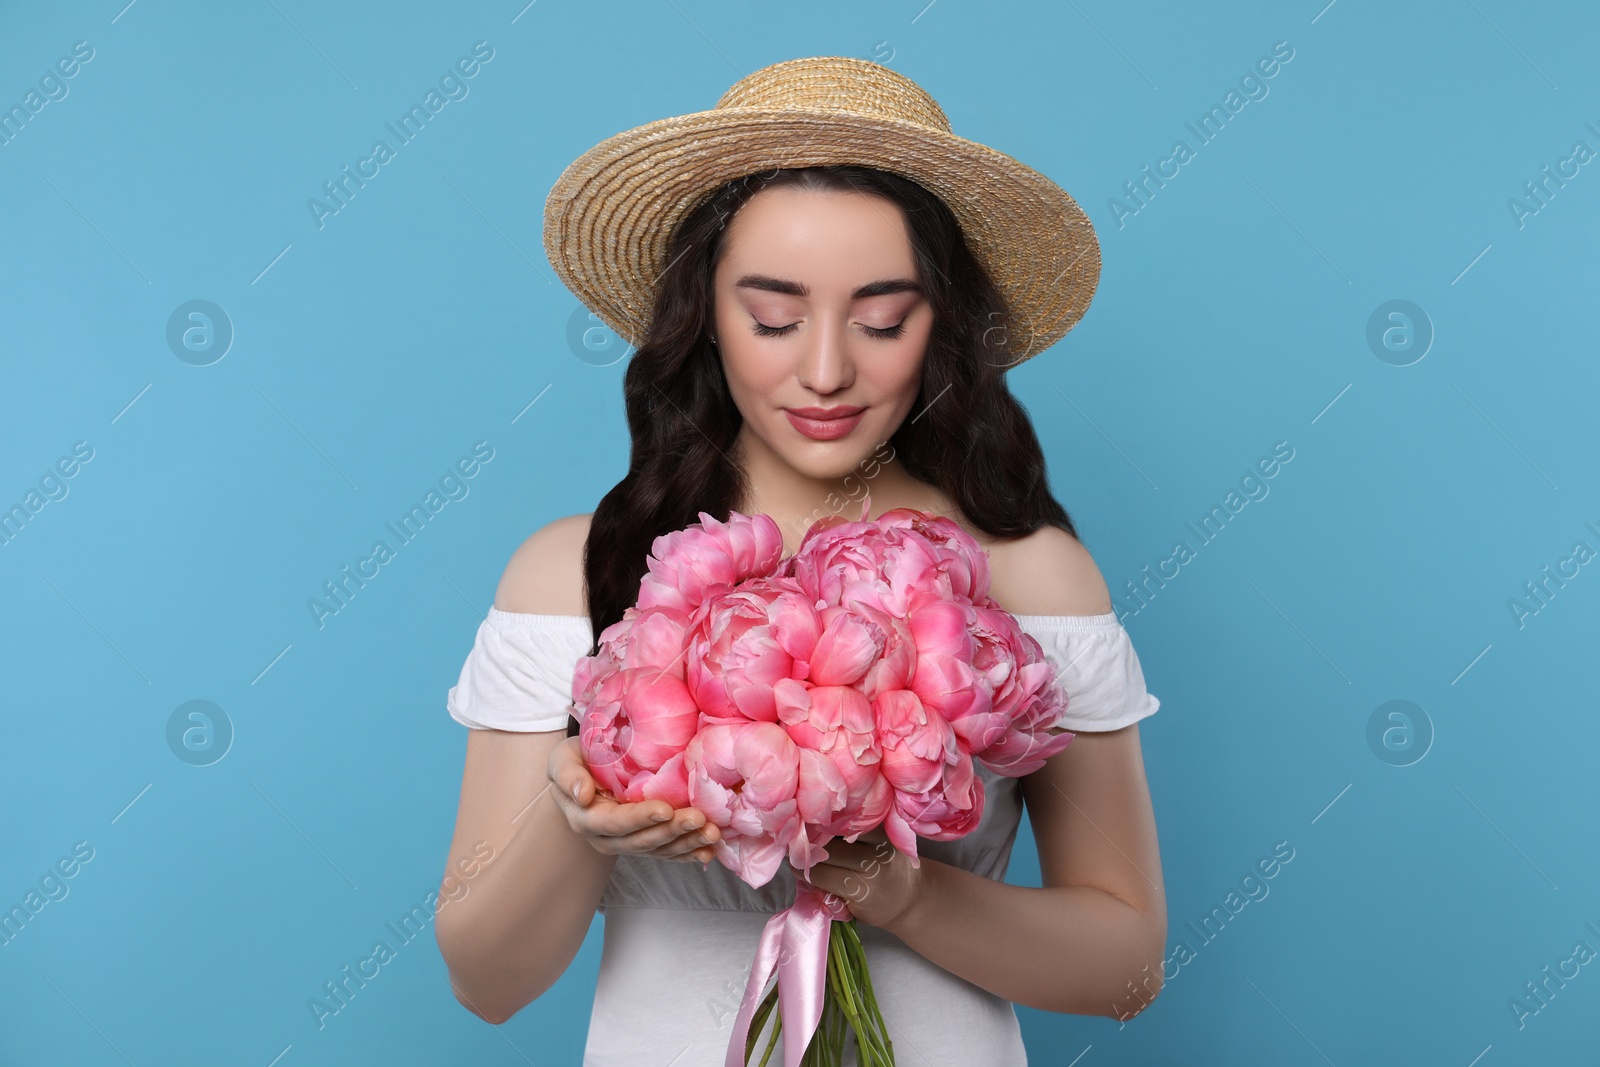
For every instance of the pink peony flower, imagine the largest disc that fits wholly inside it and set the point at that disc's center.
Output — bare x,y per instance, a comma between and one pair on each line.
744,777
838,797
839,562
745,642
1029,740
944,678
1014,738
687,566
888,561
638,722
951,809
841,791
960,562
917,741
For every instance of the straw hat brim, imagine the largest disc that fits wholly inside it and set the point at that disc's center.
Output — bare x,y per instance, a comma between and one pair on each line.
609,216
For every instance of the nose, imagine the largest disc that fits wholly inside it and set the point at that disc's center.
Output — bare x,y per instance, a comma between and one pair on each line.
825,365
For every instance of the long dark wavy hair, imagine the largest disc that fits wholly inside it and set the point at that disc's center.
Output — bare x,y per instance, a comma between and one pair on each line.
972,439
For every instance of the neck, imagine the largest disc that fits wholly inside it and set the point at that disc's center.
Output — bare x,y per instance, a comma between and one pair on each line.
795,499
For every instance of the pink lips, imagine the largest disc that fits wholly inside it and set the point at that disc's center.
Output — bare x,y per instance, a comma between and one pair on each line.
825,424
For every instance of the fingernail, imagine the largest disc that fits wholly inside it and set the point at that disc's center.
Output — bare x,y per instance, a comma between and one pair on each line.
658,817
575,787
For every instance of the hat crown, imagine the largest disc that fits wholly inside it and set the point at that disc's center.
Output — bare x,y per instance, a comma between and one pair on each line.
837,84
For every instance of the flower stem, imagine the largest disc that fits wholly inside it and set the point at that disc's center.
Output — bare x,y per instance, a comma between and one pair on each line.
872,1039
844,992
757,1021
772,1042
878,1029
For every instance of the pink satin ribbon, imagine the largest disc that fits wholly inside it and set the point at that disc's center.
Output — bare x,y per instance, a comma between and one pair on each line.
795,943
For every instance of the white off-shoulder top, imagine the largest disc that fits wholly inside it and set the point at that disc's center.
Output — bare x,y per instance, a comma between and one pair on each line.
679,940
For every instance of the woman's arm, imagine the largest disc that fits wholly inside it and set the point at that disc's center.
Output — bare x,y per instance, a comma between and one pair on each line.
524,914
1090,941
519,906
1099,922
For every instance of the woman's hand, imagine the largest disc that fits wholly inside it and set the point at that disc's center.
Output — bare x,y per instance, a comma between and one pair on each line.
873,877
649,828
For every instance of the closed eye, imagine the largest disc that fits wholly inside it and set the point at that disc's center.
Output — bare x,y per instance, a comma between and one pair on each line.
887,332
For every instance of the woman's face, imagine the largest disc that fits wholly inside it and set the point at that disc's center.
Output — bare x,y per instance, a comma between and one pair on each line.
818,306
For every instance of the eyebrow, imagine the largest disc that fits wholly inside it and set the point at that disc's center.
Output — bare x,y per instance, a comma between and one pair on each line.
789,288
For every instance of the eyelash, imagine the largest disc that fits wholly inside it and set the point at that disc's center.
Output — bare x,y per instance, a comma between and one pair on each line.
888,333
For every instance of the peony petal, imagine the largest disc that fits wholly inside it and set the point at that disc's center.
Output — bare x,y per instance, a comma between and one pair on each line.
850,643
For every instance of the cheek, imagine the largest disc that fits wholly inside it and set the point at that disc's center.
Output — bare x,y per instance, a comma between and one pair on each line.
910,355
752,381
901,372
748,374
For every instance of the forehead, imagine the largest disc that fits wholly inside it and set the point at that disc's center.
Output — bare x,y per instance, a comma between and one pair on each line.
815,236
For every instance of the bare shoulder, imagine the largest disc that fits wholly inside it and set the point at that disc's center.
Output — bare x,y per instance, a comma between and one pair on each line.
545,573
1046,572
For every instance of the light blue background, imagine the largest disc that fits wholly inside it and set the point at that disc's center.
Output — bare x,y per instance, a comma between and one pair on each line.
1231,314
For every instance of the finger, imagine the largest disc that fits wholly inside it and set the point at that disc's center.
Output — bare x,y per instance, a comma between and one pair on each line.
590,811
827,879
855,886
670,837
702,855
571,775
690,836
606,818
622,820
864,850
848,885
846,856
692,842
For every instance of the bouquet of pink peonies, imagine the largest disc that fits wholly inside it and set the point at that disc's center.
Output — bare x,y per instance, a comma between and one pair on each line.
794,700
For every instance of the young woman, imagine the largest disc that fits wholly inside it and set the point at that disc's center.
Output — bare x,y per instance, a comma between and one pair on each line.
811,334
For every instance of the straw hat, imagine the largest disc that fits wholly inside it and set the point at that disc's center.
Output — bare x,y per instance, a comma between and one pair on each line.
608,217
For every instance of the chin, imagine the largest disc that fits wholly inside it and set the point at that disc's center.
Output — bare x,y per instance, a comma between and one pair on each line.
826,460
